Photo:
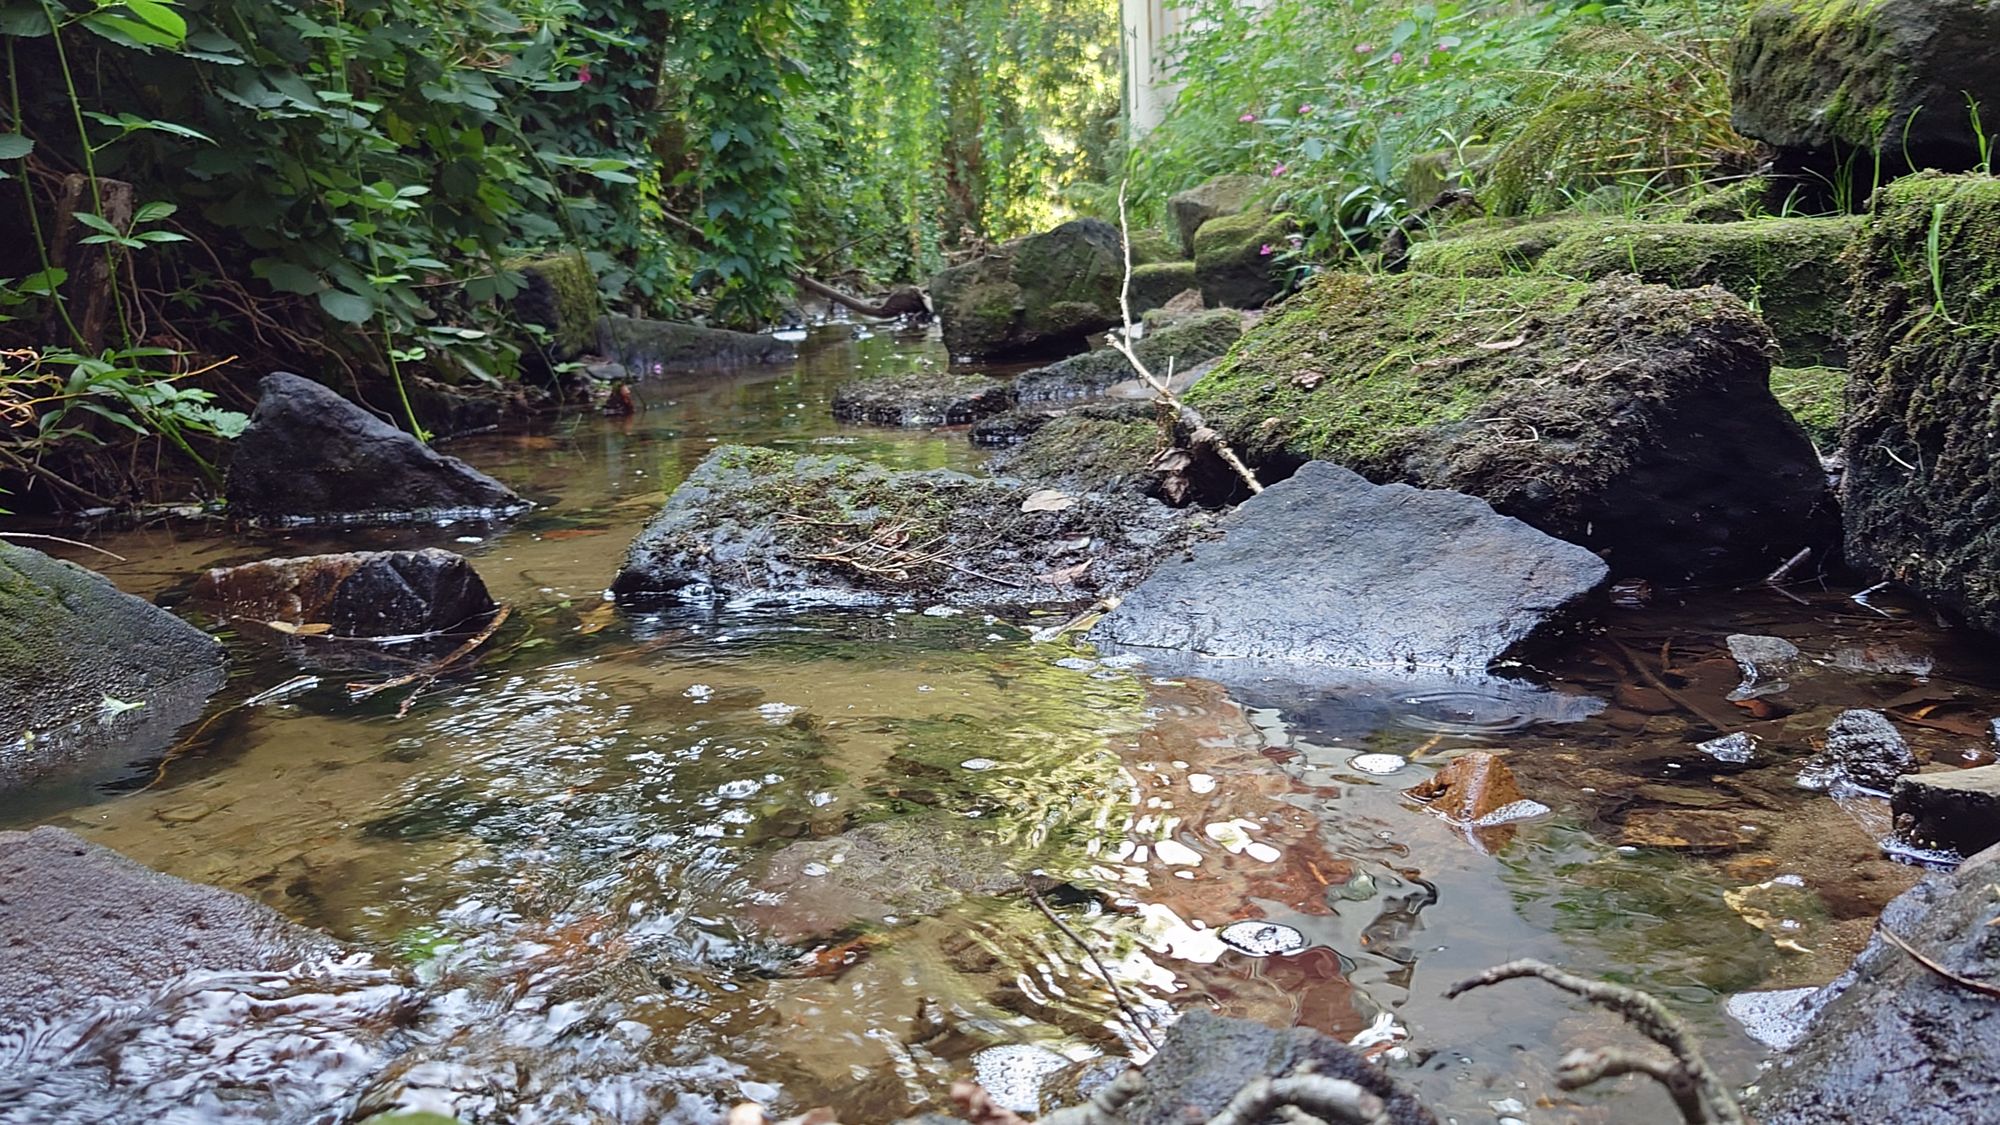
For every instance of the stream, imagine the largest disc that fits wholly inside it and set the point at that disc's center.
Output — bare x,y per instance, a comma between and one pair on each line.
643,863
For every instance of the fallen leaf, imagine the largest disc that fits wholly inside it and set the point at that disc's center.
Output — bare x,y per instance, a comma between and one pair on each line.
314,629
1309,379
1066,575
1502,345
284,627
1047,500
598,618
112,706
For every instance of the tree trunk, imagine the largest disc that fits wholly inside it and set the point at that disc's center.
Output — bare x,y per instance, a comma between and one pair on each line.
90,292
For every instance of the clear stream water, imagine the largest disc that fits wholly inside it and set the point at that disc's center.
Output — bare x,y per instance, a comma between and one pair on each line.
644,864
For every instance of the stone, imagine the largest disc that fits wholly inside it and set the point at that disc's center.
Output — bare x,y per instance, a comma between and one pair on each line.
1862,748
766,525
1636,420
1205,1059
74,651
311,455
1156,284
885,873
1043,295
1921,491
1470,788
1865,88
1703,831
1731,749
1398,578
1097,447
921,398
1765,661
1955,811
1892,1040
1239,259
1175,345
1211,199
362,594
1012,427
663,347
559,296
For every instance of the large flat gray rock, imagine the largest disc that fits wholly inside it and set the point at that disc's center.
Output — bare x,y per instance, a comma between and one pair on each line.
1328,569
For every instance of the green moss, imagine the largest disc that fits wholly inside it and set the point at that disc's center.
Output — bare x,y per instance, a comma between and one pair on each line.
1815,396
1094,449
1157,283
1496,247
1748,198
1962,294
1236,258
561,296
1150,246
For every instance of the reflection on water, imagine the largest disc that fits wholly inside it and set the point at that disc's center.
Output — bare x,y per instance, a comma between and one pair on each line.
636,866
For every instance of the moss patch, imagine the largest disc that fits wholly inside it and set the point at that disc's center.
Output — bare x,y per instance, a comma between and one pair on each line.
1237,258
560,295
1092,449
1816,397
1155,284
1489,249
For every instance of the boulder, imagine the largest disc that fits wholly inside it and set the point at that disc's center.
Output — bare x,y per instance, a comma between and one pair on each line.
1043,295
363,594
661,347
559,296
1636,420
1238,259
761,524
1922,487
90,675
1093,448
1894,1040
1205,1059
1862,748
1156,283
921,398
1954,811
1176,345
310,454
1399,578
1213,199
1857,88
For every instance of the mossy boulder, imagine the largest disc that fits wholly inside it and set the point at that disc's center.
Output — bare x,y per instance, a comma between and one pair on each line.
661,347
1150,247
89,675
1213,199
1043,295
1156,283
1440,170
1636,420
1176,345
1922,487
559,295
764,525
1099,447
1239,259
1816,397
1845,86
1490,248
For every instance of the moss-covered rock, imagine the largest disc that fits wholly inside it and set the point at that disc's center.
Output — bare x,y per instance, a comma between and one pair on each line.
921,398
1847,86
1816,397
1176,345
1922,487
659,347
1749,198
1043,295
1634,419
1491,248
1223,195
1440,170
1150,246
761,524
559,295
1101,447
1156,283
1238,259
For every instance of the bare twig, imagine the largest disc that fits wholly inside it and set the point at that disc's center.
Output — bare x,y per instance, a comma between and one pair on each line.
1111,982
1784,571
60,539
1702,1098
1105,1106
1329,1099
1984,988
436,668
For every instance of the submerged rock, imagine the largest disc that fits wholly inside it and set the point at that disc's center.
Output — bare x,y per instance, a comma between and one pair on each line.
1205,1059
89,674
1765,663
659,347
1922,486
921,398
1211,199
1845,88
310,454
1398,578
1633,419
1894,1040
1953,811
892,871
363,594
1238,259
762,524
1042,295
1862,748
1174,346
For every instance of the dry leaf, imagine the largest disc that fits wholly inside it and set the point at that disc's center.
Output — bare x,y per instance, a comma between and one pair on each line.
1309,379
1066,575
598,618
1503,345
284,627
1047,500
314,629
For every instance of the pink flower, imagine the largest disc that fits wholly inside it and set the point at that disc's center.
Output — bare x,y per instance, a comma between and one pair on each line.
1266,250
1247,118
1278,170
1396,56
1363,48
1306,110
583,74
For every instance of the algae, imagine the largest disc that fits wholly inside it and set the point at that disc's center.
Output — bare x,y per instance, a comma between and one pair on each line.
1815,396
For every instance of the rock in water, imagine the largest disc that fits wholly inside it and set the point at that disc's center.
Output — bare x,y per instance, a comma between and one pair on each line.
1893,1040
1848,87
363,594
1636,420
921,398
310,454
659,347
1207,1058
1954,811
1470,788
89,674
1327,569
1862,748
1922,487
1043,295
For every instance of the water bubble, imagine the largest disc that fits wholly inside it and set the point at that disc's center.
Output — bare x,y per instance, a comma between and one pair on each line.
1377,763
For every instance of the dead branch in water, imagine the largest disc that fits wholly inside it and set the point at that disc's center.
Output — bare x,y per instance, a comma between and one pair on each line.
1701,1097
1111,982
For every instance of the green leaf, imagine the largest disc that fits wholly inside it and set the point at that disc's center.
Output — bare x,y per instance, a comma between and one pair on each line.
127,32
153,212
286,277
160,236
350,308
96,222
44,283
160,16
25,19
14,146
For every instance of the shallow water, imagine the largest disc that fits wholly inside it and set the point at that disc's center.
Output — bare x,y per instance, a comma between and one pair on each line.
648,863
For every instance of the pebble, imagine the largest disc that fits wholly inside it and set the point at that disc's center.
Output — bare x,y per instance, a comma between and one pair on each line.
1262,939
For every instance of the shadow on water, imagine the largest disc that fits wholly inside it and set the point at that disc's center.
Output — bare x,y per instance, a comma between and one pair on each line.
637,865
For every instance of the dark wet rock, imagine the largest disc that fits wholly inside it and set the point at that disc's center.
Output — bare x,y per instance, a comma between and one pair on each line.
891,871
1955,811
1154,285
88,929
1922,486
1862,748
1012,427
921,398
1212,199
447,411
1098,447
1399,578
1205,1059
1238,259
310,454
1175,345
1731,749
1849,88
660,347
1043,295
1766,662
559,296
69,642
1636,420
363,594
1892,1040
762,524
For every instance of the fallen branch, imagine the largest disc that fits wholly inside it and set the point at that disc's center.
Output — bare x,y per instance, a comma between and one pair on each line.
906,301
60,539
1111,982
1329,1099
436,668
1702,1098
1105,1106
1981,987
1784,570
